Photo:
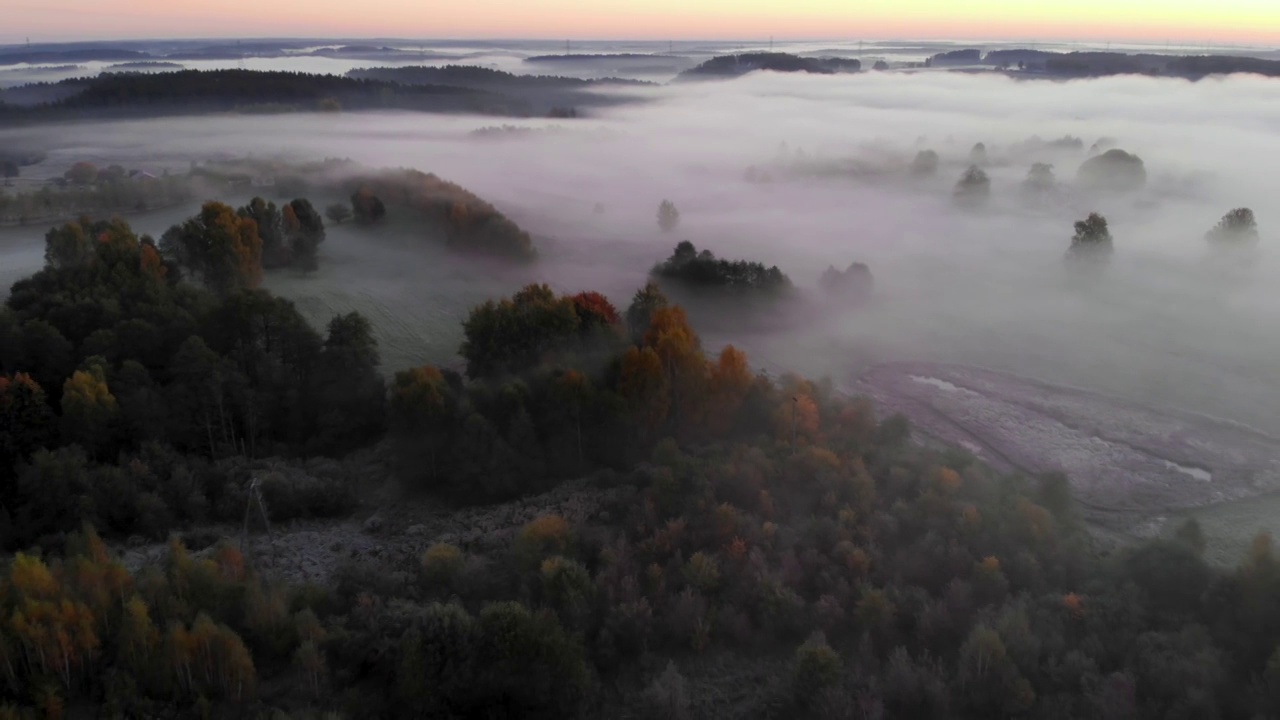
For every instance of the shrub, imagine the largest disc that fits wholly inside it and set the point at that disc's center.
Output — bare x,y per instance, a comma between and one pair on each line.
542,537
441,564
815,667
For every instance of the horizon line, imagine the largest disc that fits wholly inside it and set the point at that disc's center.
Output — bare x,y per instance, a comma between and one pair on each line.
21,41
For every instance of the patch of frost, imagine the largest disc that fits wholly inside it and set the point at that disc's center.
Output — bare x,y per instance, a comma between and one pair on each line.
1197,473
941,384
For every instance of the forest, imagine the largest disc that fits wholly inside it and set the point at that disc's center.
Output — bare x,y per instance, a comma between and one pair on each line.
759,546
187,92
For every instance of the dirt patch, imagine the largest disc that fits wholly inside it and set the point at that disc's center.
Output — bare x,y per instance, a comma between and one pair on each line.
1120,456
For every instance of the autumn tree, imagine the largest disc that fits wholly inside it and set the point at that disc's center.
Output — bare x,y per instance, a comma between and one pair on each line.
729,382
645,387
680,351
220,247
668,216
82,173
367,207
88,408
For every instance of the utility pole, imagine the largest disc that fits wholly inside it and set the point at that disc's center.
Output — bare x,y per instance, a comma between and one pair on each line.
795,417
255,498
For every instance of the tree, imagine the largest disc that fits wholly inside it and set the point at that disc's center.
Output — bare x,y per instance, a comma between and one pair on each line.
517,334
925,163
304,231
338,213
82,173
1092,240
1238,227
26,423
422,412
1114,171
367,207
645,387
219,246
69,246
88,408
668,216
974,188
572,390
1040,179
270,222
978,154
644,303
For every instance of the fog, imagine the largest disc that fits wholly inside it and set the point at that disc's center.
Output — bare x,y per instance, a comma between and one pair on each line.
1165,323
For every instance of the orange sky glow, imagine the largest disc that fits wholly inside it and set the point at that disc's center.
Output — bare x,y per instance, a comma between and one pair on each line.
1184,21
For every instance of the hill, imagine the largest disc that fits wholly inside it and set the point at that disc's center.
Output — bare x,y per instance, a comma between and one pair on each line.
195,92
737,65
535,94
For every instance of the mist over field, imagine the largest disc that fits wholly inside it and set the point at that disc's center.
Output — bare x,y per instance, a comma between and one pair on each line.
1165,324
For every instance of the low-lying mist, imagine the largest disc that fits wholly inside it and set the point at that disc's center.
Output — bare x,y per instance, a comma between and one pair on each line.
1165,323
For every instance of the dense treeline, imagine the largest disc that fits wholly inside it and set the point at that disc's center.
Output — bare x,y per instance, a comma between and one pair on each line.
473,75
197,91
704,270
113,369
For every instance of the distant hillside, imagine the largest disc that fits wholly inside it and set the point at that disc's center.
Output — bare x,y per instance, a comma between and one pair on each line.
476,76
76,55
594,58
534,94
1100,64
196,92
736,65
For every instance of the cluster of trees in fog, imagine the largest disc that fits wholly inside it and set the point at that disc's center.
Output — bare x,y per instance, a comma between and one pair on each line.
471,225
704,270
114,360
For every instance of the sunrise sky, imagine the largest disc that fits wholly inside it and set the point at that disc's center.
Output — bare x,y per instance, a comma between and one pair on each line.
1192,21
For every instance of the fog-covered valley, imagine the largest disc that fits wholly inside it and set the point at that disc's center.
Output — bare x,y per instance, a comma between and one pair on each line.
1167,323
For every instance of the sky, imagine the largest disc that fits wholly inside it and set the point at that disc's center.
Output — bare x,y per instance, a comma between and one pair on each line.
1254,22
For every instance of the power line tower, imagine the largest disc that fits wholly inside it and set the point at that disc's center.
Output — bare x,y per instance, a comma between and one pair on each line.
253,500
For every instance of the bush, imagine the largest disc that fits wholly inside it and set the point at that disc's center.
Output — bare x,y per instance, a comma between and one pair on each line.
814,668
441,564
541,538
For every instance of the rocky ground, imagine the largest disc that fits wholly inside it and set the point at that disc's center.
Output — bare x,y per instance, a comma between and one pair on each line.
391,530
